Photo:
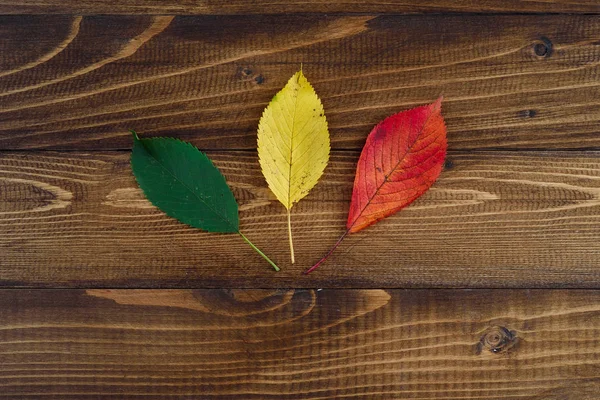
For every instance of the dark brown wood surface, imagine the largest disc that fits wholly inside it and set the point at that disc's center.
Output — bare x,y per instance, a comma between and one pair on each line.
303,344
510,81
209,7
524,218
507,219
516,207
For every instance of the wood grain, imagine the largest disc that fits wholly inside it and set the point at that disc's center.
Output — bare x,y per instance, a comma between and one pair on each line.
217,7
494,219
304,344
509,81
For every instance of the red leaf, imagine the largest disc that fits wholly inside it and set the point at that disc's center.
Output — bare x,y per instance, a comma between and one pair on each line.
403,156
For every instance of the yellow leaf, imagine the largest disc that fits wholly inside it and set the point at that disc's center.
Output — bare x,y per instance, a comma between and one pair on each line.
293,143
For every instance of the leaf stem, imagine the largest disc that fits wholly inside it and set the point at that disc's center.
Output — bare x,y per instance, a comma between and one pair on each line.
290,235
259,252
326,256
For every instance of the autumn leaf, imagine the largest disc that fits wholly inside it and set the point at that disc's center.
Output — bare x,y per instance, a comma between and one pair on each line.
183,182
293,144
402,157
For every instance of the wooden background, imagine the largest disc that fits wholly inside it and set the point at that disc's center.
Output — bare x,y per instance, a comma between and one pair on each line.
486,288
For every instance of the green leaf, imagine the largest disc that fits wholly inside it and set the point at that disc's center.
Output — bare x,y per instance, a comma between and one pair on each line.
184,183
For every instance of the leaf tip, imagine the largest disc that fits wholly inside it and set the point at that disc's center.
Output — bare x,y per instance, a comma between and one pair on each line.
437,105
135,135
299,76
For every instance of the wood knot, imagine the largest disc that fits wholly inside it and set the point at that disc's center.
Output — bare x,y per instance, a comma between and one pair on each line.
24,195
247,74
527,113
448,164
543,47
497,339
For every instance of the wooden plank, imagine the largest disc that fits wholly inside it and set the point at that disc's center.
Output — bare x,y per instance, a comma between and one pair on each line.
217,7
304,344
492,220
512,82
